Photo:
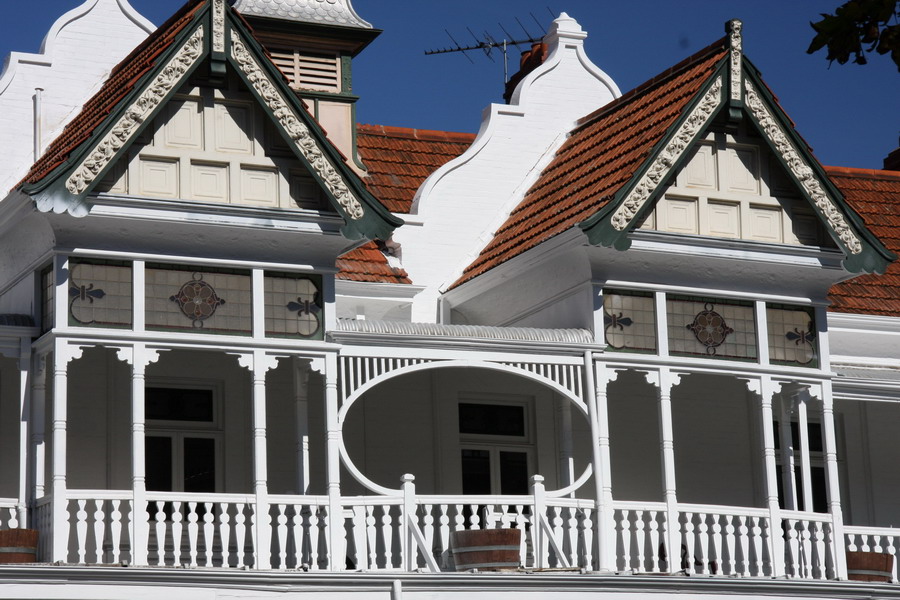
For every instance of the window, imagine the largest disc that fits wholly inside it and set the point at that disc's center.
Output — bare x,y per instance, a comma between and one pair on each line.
183,443
816,464
496,452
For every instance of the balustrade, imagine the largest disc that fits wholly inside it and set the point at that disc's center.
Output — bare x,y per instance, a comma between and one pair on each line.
874,539
808,545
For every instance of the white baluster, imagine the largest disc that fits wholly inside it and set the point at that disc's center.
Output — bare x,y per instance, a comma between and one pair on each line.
687,560
176,532
573,536
588,537
225,533
318,524
640,539
359,535
654,541
444,536
386,537
281,527
99,524
715,564
819,562
794,546
743,531
193,529
806,550
702,535
240,532
626,539
115,530
729,547
372,532
208,533
428,523
160,534
756,533
81,530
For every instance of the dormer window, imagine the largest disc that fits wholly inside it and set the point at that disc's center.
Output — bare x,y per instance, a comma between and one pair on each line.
306,70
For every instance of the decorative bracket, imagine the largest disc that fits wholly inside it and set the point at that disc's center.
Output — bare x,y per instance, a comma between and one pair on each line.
218,60
735,43
318,365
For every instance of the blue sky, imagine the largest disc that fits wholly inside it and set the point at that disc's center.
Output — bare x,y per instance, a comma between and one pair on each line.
849,114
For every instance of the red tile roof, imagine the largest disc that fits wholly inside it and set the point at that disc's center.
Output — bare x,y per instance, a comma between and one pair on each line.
368,263
399,159
122,80
600,156
875,195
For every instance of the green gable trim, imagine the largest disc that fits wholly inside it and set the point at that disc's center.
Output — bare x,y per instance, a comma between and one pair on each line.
364,216
611,224
65,188
863,252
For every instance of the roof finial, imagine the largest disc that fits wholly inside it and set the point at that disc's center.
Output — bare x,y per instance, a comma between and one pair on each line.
735,42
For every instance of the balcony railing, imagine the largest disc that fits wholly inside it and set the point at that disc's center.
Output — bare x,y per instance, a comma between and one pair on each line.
407,532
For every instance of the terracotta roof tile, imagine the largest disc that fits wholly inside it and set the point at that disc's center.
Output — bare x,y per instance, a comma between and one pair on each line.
368,263
122,80
400,159
599,157
875,195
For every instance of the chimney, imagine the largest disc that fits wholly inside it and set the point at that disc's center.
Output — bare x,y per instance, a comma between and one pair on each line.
892,161
530,60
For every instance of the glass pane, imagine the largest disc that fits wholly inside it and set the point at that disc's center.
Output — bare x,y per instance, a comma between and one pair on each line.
207,301
819,490
294,306
492,419
792,335
513,473
711,327
100,293
199,465
158,463
170,404
476,472
629,321
47,294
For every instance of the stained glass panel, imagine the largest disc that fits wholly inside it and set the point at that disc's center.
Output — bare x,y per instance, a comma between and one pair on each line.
793,339
629,321
711,327
198,299
100,293
294,306
47,295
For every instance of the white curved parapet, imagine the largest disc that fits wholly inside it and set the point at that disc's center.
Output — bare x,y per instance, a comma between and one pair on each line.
461,204
326,12
76,56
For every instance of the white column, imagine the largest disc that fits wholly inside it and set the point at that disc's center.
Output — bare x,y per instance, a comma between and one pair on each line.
38,418
566,452
333,465
788,461
259,303
24,364
832,480
800,399
62,354
597,402
767,391
668,381
141,357
301,402
261,364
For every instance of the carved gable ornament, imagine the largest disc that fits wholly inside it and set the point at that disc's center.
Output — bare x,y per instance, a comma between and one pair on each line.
733,91
216,36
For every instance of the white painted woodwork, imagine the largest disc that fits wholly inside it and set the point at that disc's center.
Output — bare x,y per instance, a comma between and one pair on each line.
215,145
733,187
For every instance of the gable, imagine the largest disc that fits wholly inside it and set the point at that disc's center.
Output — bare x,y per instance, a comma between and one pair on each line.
207,34
732,186
215,144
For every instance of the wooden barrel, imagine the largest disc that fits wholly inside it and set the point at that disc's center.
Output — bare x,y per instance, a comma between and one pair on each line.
18,546
870,566
486,549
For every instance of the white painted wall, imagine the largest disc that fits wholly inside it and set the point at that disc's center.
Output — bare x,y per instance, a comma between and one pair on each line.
466,200
75,58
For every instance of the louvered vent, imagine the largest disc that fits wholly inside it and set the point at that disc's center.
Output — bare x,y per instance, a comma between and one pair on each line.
309,71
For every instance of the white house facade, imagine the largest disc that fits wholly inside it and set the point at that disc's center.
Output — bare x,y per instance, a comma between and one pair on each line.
243,357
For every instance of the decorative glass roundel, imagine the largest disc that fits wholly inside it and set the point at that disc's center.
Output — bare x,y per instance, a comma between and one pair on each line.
710,328
197,300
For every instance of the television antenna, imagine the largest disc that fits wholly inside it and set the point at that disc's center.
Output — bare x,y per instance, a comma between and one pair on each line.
487,42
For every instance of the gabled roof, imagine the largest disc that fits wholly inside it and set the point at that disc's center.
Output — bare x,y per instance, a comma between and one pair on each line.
399,159
139,87
601,155
875,195
616,162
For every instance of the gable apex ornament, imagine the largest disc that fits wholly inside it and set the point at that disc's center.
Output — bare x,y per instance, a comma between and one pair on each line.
735,44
